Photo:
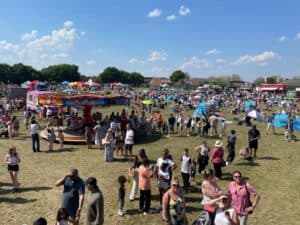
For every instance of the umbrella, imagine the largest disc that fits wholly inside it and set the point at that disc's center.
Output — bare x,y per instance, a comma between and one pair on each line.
256,115
147,102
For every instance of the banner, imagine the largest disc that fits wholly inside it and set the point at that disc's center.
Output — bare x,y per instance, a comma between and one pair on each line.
281,120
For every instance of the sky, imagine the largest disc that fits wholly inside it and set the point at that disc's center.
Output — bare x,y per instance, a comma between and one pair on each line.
155,37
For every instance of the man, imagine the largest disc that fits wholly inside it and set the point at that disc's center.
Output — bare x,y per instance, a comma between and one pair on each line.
171,123
73,194
231,140
95,203
241,192
167,159
253,136
40,221
159,121
270,123
34,129
129,140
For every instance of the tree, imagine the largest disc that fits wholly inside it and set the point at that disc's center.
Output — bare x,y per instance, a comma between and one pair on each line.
136,79
218,80
59,73
177,76
259,80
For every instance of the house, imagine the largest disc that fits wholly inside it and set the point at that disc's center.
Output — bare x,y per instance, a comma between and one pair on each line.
292,84
158,82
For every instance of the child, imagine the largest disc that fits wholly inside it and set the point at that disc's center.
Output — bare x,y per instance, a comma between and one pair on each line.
186,162
121,194
223,128
62,217
163,180
50,139
88,135
61,139
119,141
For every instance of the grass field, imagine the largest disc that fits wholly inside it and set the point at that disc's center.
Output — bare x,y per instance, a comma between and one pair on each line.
275,175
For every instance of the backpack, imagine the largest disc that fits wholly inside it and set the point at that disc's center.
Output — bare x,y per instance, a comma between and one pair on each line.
203,219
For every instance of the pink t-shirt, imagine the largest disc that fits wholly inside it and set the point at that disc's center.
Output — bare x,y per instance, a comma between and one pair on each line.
144,178
217,155
240,197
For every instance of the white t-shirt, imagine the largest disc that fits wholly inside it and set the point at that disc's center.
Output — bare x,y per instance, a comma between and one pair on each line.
204,150
160,161
34,128
221,219
186,164
12,159
129,138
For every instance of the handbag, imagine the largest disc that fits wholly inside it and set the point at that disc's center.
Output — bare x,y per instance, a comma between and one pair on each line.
249,200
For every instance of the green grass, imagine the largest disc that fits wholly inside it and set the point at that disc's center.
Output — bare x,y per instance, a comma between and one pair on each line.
276,176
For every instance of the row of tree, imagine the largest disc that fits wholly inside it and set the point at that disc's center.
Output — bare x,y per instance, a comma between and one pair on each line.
19,73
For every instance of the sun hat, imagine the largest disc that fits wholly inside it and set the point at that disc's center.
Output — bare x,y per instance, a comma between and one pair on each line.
218,143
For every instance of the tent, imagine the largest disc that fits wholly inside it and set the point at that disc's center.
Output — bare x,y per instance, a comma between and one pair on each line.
256,115
65,83
296,124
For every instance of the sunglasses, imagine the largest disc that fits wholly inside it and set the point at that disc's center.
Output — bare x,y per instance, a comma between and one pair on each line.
237,176
175,185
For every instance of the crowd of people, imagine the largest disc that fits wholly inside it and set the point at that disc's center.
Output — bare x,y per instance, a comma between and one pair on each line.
117,133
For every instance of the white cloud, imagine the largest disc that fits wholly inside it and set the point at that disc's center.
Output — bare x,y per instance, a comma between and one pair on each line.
298,36
155,13
157,56
41,51
282,38
213,52
136,61
68,24
171,17
91,62
194,63
29,36
220,60
8,46
183,11
82,33
262,58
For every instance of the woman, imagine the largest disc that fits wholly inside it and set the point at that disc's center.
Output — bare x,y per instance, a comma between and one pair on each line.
210,190
108,149
225,213
12,159
173,205
217,158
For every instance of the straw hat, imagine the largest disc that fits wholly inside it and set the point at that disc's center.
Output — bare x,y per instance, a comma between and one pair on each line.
218,143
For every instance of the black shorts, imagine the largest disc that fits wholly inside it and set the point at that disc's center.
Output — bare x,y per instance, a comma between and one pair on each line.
128,147
13,167
253,145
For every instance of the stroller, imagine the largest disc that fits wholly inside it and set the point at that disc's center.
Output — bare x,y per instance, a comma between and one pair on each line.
203,219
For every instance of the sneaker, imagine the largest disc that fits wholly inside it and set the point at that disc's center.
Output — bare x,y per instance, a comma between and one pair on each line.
145,213
121,213
227,163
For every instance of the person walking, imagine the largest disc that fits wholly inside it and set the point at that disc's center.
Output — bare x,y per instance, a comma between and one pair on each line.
241,193
217,154
231,140
253,137
129,140
34,129
73,194
94,203
12,159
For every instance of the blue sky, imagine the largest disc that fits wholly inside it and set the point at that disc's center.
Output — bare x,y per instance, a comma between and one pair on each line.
155,37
